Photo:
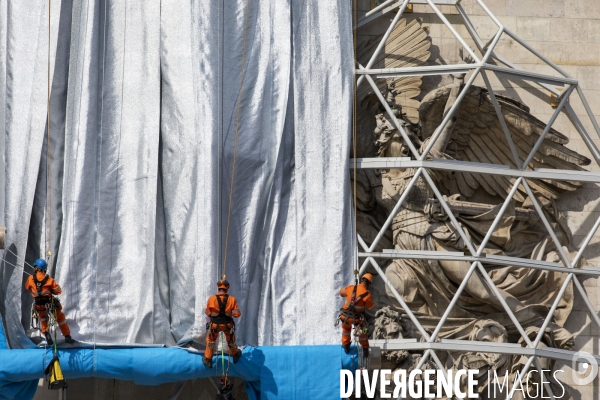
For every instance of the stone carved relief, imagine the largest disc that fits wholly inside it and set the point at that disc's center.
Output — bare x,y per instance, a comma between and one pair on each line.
473,134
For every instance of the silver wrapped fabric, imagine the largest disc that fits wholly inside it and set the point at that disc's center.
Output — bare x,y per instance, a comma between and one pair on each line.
145,106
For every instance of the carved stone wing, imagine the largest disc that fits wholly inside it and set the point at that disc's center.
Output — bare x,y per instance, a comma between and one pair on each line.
407,46
478,137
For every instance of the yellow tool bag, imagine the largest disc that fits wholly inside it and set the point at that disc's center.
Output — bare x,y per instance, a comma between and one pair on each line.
56,378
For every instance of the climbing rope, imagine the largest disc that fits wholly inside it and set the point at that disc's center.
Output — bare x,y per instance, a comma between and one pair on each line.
48,220
16,267
51,312
358,348
222,353
360,329
354,111
99,169
51,307
237,131
19,258
224,383
354,191
224,377
53,370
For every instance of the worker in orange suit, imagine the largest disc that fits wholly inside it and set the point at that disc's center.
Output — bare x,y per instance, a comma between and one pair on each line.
358,299
221,308
43,288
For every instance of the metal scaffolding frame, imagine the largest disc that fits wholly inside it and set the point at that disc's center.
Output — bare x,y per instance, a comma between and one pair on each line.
476,257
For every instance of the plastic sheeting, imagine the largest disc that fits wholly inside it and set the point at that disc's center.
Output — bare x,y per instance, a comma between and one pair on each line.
13,385
282,372
277,372
145,102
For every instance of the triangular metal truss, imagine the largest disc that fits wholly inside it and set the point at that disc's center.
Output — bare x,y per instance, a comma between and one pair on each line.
480,66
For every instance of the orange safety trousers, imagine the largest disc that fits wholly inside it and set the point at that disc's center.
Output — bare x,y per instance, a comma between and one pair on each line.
60,319
347,324
213,335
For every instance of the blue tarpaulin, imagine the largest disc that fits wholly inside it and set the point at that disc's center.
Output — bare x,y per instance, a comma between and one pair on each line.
12,386
270,372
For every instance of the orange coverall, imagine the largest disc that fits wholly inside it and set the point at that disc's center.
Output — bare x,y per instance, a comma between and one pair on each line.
213,311
42,296
362,300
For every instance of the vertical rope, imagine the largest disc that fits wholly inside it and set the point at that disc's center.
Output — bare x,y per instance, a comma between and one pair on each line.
355,247
48,160
54,324
237,131
99,176
220,45
222,340
354,110
51,311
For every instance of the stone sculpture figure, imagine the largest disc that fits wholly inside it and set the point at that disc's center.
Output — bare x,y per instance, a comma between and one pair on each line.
473,134
429,285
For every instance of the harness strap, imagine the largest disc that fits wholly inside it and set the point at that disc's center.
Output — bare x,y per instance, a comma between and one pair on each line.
39,284
351,312
222,318
353,297
222,304
359,298
42,300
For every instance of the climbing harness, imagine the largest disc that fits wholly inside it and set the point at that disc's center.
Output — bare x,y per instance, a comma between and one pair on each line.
222,318
350,315
352,311
50,304
39,285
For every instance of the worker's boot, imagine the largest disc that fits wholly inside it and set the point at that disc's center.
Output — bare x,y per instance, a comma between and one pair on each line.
48,338
237,356
207,362
69,339
346,348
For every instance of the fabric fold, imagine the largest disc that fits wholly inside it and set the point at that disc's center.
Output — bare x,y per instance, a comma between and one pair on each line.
147,100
